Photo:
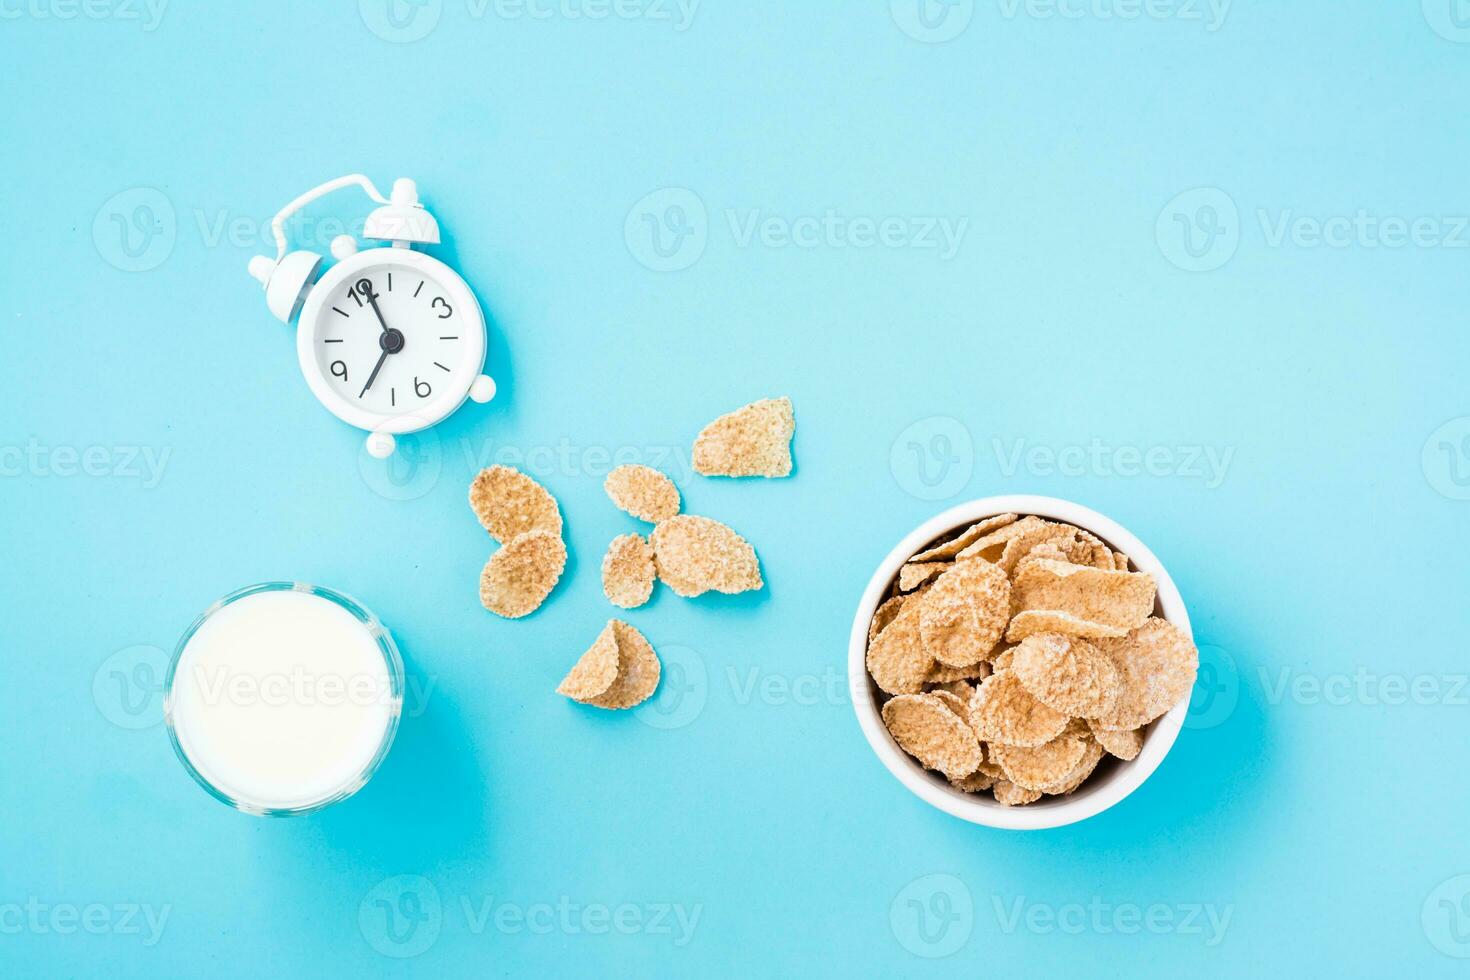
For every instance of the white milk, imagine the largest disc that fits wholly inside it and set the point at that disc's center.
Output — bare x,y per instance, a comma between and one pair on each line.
282,700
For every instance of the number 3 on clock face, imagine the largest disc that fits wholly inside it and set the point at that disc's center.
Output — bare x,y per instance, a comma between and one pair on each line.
391,340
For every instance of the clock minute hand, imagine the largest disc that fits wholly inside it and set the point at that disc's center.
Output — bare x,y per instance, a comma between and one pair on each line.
374,376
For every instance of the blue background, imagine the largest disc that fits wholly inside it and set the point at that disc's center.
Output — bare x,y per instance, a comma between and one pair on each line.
1088,304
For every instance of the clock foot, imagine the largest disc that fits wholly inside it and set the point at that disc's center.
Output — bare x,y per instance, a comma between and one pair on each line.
380,445
483,389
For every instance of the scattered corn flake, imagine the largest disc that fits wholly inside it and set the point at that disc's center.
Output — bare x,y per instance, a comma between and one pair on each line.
1118,599
1125,745
1120,561
509,503
519,577
643,492
695,554
914,574
896,658
1042,765
1002,711
638,670
1008,793
1002,660
965,613
1157,664
990,546
627,571
1067,674
948,550
595,672
1033,621
1092,755
750,441
931,733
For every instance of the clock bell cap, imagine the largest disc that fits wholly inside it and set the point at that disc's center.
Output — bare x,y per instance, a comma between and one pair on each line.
287,281
403,219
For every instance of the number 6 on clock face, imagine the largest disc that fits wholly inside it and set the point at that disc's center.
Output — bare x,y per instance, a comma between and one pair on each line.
391,340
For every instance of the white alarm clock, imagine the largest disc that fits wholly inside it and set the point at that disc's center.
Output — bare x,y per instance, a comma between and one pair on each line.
389,339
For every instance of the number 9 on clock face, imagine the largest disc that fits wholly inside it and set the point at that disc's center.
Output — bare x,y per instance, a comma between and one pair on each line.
391,340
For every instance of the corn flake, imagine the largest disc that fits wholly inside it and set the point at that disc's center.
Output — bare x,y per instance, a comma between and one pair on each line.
509,503
1157,664
1122,600
927,730
694,555
627,571
1004,712
643,492
1067,674
965,613
638,670
519,577
1042,765
750,441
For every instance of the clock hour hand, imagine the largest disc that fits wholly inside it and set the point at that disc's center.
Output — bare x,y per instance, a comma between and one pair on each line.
365,289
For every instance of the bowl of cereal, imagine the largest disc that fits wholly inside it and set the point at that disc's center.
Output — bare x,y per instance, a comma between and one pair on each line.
1021,662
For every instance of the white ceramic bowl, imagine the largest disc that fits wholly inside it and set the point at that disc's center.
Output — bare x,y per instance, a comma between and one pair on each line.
1113,779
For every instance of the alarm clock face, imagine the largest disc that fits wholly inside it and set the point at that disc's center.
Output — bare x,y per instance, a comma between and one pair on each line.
391,340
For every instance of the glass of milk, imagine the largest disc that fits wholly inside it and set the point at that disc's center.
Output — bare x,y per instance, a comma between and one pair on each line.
283,698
